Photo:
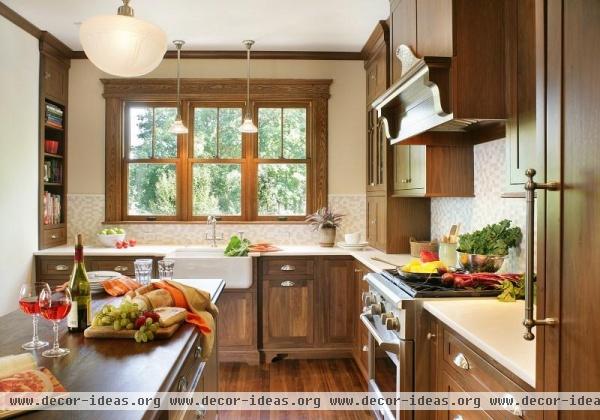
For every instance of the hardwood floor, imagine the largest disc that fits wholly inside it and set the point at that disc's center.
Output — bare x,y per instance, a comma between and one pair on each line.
333,375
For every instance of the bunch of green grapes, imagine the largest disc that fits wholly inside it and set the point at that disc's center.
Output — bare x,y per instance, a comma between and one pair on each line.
146,331
122,317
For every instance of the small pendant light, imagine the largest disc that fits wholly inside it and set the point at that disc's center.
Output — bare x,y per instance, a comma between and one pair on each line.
177,127
248,125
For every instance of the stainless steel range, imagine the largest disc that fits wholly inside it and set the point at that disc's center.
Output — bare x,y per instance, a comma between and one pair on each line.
393,311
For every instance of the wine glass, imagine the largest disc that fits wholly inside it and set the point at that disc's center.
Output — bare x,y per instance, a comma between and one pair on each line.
28,302
55,306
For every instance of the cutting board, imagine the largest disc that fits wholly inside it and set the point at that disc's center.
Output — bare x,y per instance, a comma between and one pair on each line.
110,332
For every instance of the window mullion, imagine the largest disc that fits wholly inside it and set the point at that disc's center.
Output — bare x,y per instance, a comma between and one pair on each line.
281,119
153,132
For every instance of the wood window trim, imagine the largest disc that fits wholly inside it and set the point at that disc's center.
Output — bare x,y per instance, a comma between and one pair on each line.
118,92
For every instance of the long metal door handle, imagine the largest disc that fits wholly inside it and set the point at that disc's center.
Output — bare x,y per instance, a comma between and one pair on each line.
530,186
392,346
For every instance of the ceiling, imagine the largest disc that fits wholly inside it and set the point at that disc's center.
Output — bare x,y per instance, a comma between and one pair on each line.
275,25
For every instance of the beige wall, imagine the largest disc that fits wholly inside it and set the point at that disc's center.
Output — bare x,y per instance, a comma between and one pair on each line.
346,115
19,84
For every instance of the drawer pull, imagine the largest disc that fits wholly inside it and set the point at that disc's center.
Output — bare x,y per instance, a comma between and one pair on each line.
120,268
458,417
288,267
405,181
288,283
201,412
365,348
182,384
61,267
53,236
198,352
461,361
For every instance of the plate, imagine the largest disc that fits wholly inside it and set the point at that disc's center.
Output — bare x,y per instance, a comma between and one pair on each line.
358,245
95,277
420,276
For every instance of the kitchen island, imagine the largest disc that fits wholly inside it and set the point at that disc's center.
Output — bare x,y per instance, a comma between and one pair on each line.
118,365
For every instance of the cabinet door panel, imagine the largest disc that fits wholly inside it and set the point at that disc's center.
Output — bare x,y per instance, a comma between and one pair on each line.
403,19
236,309
434,28
381,222
287,313
409,168
55,79
337,289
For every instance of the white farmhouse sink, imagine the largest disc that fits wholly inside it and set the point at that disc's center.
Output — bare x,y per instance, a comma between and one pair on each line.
210,263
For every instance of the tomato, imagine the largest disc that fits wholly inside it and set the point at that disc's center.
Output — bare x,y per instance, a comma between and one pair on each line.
125,244
428,256
119,244
132,242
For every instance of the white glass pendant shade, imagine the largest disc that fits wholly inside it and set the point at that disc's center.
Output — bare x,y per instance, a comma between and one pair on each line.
178,128
248,126
123,45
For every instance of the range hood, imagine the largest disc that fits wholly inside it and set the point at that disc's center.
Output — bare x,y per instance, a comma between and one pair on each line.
422,100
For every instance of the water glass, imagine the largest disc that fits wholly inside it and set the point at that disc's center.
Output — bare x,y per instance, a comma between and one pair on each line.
143,271
447,253
165,269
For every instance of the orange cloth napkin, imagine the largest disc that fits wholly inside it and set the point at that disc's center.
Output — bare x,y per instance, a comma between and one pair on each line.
201,310
120,286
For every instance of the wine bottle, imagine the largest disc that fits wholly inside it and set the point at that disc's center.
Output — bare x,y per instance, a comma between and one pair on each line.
80,316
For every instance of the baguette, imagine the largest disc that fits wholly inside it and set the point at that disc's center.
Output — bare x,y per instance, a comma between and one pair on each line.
159,298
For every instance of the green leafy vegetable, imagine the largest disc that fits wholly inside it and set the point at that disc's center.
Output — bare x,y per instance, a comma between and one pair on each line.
512,291
237,247
494,239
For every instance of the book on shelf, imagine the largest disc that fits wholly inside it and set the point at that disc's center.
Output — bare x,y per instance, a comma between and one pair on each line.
53,171
54,116
52,208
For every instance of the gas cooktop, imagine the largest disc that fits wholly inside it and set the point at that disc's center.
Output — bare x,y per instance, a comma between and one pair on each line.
431,287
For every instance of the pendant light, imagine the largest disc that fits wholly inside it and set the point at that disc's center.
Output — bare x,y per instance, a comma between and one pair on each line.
248,125
122,45
178,127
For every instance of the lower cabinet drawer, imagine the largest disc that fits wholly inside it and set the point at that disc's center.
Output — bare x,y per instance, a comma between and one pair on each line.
285,267
189,370
448,384
125,267
56,266
54,237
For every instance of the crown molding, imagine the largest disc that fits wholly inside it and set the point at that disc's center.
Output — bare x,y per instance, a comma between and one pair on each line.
256,55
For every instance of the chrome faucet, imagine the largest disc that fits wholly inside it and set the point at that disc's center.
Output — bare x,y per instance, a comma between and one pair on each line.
212,220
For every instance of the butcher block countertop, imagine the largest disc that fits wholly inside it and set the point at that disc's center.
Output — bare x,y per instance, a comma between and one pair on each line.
114,365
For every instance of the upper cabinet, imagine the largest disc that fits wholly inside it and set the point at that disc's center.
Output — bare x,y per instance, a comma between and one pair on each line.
376,53
521,126
433,171
403,30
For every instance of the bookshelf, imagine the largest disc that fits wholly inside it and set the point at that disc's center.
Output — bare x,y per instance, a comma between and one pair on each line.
54,84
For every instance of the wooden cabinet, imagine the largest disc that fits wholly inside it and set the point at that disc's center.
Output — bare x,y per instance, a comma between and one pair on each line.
521,126
377,62
461,367
376,221
53,117
336,312
239,332
378,155
287,313
433,171
403,30
361,345
434,28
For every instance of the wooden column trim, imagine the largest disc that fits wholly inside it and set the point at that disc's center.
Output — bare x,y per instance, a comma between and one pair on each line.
113,159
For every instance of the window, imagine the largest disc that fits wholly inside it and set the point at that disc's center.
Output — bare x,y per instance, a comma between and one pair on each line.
278,174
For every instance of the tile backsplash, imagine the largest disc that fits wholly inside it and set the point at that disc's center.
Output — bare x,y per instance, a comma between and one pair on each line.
491,180
86,214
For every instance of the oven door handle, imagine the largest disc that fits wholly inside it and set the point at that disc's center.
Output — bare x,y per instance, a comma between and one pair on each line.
391,346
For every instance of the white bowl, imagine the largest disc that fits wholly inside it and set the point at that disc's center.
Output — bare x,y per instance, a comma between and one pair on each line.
110,241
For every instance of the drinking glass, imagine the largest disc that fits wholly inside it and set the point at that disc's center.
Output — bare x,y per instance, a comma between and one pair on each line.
143,271
55,306
165,269
28,302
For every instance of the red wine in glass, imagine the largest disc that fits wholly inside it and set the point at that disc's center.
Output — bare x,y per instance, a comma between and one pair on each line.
55,306
29,304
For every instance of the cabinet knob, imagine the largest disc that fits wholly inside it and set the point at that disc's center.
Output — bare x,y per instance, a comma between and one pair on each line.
461,361
120,268
288,267
53,236
61,267
358,270
288,283
47,75
197,352
430,336
182,384
365,348
372,184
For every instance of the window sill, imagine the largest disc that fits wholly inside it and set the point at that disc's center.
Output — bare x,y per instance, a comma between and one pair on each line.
202,222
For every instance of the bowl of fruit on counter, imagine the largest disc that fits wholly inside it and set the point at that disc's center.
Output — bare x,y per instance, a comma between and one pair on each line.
111,236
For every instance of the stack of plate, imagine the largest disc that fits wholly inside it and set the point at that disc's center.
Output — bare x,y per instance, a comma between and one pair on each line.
97,277
357,247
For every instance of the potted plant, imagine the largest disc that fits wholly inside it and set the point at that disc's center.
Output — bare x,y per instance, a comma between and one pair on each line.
326,222
484,250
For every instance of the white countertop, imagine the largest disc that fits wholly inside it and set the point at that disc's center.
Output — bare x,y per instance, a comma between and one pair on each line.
286,250
494,327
